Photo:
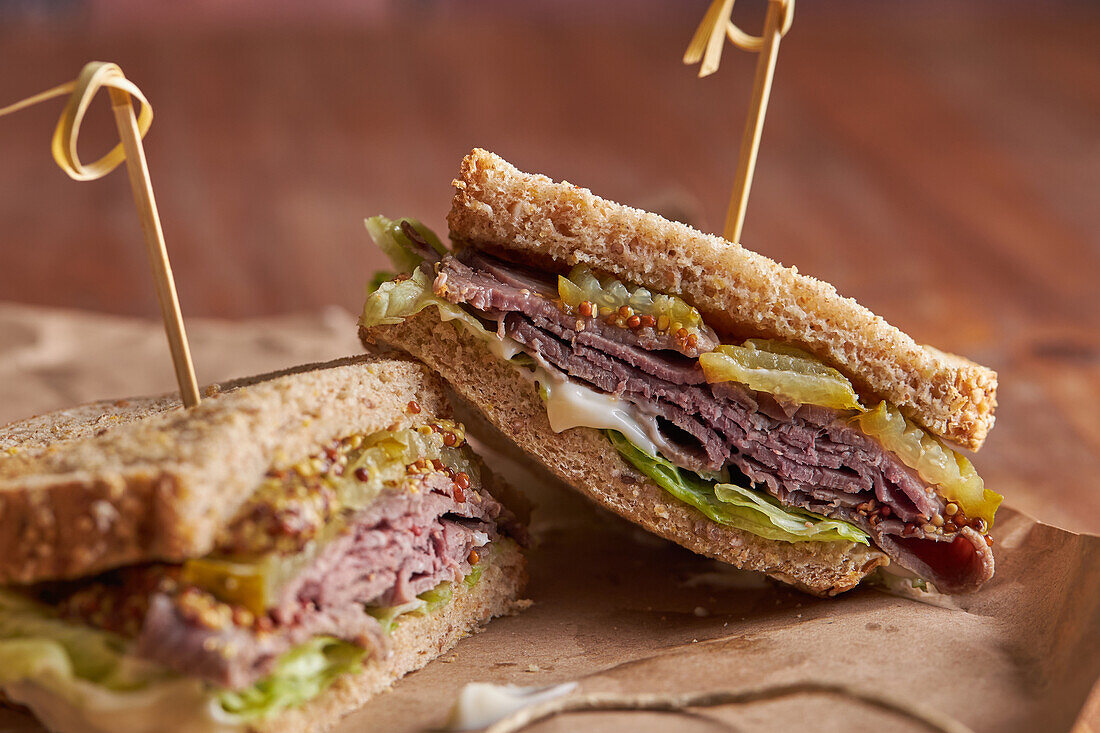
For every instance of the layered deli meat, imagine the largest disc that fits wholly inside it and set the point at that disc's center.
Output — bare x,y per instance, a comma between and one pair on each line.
337,546
755,415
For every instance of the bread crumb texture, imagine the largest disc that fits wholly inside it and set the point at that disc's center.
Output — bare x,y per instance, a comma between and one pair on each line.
125,481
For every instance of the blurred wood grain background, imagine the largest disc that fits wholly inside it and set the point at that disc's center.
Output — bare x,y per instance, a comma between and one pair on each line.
938,161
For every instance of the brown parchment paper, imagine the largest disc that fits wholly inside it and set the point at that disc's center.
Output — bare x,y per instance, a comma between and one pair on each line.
616,609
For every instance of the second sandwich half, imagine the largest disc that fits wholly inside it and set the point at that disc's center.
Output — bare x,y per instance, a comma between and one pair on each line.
266,560
737,407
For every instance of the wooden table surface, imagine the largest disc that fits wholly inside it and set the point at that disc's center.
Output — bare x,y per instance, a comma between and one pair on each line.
938,161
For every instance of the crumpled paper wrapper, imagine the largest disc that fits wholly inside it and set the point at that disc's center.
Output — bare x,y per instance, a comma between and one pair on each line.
618,610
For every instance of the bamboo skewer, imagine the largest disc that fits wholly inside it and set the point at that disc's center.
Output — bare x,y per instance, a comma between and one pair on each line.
146,203
706,45
131,129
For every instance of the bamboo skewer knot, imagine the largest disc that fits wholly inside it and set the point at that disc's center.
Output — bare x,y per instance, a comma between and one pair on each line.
131,128
706,46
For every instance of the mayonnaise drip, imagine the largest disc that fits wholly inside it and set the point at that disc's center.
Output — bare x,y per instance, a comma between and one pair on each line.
480,704
572,405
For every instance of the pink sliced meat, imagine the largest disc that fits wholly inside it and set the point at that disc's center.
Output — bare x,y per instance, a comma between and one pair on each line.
807,456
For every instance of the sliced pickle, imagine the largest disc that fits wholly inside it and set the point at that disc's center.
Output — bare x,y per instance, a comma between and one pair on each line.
248,584
668,311
790,374
936,463
570,293
256,583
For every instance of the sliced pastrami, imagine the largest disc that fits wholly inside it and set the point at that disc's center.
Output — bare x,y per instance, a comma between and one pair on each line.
403,544
493,285
807,456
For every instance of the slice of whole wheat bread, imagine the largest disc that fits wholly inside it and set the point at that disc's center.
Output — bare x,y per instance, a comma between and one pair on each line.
416,641
127,481
739,292
585,459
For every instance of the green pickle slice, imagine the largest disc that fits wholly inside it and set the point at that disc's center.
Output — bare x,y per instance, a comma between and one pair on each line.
789,372
782,370
670,312
252,585
936,463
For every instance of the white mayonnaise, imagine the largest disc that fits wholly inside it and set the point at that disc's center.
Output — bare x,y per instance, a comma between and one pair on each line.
481,704
572,405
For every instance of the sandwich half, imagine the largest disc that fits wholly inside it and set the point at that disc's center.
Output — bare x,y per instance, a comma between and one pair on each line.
739,408
267,560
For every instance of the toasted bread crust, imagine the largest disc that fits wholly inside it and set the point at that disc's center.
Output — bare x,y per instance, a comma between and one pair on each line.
585,459
417,640
81,494
738,291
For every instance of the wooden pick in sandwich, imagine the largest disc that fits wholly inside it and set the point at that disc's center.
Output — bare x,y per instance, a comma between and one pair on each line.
131,129
706,46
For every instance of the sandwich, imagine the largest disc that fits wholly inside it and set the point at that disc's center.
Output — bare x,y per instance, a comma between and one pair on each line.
716,398
267,560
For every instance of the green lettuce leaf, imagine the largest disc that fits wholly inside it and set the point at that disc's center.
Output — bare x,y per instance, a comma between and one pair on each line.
392,240
300,675
427,602
475,575
33,642
392,302
396,300
395,244
736,506
437,597
92,669
387,616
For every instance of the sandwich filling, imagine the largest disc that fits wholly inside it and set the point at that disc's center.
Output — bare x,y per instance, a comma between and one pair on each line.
317,568
728,427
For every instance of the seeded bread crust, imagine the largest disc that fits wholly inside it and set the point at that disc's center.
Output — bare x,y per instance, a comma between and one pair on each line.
417,640
738,291
586,460
116,483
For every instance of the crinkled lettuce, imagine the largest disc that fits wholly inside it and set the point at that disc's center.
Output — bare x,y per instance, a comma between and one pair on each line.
392,301
91,669
86,665
34,642
396,300
736,506
300,675
392,240
378,278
